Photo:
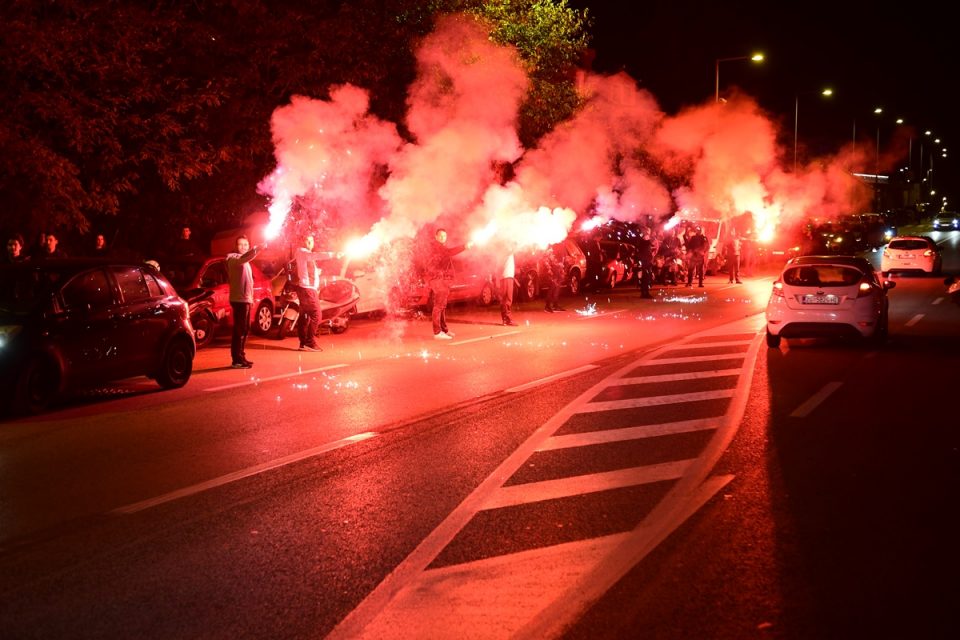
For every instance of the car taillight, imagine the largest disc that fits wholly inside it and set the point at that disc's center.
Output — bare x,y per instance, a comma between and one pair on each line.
777,289
865,289
886,252
927,253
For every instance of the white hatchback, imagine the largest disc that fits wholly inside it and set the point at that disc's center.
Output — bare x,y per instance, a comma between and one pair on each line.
828,296
911,253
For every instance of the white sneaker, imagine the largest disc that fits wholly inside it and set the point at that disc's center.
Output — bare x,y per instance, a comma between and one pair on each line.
441,336
450,334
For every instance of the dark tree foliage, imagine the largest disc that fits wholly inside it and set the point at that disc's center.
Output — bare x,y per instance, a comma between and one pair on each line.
140,116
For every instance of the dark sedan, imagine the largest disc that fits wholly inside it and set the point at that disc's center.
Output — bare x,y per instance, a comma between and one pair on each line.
74,323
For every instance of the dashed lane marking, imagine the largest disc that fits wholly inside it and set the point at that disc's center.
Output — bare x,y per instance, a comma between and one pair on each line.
556,376
281,376
914,320
815,400
242,473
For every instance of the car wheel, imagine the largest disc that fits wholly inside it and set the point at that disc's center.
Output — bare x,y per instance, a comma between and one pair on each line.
573,282
528,287
176,365
339,325
883,331
284,328
263,319
36,387
486,295
773,341
204,327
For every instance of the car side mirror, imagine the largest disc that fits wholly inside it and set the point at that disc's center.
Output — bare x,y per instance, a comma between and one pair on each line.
889,284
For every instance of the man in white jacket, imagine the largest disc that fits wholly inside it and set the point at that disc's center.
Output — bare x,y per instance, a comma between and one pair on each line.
240,276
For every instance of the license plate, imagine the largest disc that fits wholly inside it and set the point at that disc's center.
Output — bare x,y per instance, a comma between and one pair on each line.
820,299
905,256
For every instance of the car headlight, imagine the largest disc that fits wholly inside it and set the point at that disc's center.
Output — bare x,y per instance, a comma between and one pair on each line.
7,332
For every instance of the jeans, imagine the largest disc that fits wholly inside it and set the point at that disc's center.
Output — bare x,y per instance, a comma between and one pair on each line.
441,293
309,320
241,326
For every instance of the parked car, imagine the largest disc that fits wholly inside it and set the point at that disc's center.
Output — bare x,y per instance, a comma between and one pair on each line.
531,282
187,273
948,221
828,296
471,282
912,253
74,323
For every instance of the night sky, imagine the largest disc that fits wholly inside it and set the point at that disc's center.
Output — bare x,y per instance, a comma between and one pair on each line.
870,55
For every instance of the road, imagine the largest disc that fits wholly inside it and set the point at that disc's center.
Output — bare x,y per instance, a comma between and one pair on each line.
625,468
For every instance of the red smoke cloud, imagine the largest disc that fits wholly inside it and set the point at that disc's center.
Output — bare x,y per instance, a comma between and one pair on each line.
620,156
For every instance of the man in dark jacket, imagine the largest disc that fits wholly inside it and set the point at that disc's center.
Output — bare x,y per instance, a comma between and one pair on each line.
697,250
645,256
440,276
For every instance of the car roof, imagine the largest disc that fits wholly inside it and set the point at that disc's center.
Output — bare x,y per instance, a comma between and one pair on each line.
851,261
924,238
69,264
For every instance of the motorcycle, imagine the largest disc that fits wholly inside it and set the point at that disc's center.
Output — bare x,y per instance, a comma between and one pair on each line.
203,317
338,300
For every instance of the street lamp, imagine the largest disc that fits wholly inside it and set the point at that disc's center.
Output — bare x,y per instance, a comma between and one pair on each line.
757,57
796,118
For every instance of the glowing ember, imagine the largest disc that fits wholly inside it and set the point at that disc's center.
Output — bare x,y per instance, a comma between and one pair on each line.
589,310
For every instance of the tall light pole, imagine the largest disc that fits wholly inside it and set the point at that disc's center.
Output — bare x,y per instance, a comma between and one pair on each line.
876,168
827,92
756,57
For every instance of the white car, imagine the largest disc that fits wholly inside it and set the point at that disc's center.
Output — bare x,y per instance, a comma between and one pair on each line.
828,296
911,253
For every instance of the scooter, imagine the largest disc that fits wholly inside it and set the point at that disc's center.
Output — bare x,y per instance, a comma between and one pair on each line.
203,318
338,301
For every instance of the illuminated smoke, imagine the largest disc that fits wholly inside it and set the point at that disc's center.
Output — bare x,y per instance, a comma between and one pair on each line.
619,157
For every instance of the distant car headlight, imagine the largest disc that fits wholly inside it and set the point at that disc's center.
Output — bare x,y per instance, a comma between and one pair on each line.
7,332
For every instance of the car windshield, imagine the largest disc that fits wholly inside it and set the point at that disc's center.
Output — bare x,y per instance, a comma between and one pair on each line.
909,245
822,275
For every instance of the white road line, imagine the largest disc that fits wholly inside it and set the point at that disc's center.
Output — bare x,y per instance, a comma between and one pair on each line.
634,403
938,300
587,316
685,359
674,377
484,338
914,320
628,433
517,494
807,407
293,374
556,376
243,473
707,345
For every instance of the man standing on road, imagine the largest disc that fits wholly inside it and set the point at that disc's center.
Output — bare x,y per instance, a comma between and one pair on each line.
645,256
440,275
507,276
240,276
697,250
731,253
308,281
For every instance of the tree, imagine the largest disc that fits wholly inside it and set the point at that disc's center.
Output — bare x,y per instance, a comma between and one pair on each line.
161,111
